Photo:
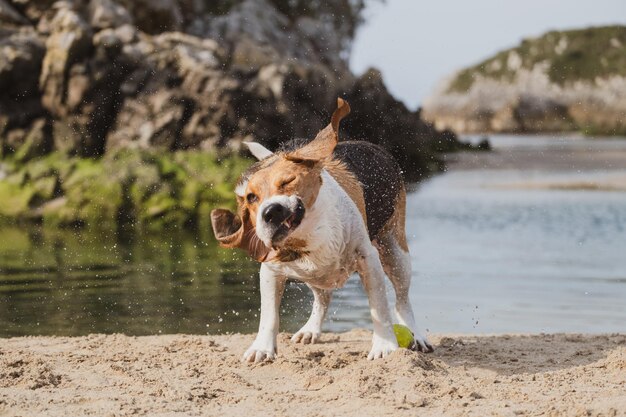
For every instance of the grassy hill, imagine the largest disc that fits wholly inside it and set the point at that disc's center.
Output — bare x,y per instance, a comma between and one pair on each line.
571,55
572,80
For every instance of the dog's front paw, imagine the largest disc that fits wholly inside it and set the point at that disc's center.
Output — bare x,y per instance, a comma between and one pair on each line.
381,348
257,353
422,344
306,336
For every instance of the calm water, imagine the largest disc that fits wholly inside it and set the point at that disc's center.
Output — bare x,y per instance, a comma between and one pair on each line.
536,244
528,238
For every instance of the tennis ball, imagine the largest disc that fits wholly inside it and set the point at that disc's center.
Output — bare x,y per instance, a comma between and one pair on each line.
404,335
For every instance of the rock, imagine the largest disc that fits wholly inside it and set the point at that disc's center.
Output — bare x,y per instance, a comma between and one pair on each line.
69,42
155,16
541,114
110,42
253,28
37,142
379,118
484,145
183,79
10,16
324,41
80,80
33,9
189,53
16,121
154,120
248,55
21,55
256,19
504,120
105,14
178,105
127,34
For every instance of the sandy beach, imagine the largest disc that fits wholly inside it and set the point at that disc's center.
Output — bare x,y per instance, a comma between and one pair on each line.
501,375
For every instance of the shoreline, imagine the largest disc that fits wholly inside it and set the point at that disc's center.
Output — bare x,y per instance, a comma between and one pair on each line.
508,375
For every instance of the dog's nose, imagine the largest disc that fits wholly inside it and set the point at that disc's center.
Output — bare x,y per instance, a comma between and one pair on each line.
275,213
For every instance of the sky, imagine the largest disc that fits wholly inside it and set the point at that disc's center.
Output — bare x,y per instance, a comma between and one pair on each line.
415,43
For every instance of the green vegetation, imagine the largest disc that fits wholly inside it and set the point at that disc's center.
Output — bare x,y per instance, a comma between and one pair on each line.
143,189
568,55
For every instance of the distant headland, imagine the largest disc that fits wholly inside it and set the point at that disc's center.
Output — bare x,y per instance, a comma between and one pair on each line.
573,80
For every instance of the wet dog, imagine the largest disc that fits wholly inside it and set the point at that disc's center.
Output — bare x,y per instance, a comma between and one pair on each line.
318,212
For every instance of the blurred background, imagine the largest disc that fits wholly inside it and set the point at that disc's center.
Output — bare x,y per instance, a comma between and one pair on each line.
121,123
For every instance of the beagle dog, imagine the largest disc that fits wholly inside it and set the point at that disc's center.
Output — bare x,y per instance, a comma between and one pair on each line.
317,212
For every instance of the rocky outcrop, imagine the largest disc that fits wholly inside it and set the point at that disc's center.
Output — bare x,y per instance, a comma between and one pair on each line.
390,124
24,122
561,81
85,77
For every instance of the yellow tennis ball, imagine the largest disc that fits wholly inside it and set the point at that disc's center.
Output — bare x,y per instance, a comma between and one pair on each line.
404,335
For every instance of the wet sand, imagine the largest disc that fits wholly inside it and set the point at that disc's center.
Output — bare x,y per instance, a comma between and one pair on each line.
503,375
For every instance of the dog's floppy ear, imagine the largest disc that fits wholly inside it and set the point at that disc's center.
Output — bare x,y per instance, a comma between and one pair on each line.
259,151
236,231
324,143
227,227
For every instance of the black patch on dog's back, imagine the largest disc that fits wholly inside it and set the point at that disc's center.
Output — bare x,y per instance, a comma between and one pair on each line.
380,176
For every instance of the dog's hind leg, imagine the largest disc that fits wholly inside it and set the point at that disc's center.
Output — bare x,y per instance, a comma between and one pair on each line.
311,331
373,278
397,265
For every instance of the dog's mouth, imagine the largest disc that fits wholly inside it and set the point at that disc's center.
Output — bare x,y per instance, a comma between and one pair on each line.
288,225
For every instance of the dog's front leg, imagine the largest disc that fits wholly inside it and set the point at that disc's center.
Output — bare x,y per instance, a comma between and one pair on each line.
264,346
373,277
312,330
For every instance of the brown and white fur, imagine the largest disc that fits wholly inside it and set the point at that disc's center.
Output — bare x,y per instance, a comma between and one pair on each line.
317,213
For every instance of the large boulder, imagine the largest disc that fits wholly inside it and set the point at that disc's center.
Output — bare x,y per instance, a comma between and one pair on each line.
379,118
102,75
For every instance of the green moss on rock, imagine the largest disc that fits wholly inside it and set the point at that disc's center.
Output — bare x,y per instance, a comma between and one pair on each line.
140,188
